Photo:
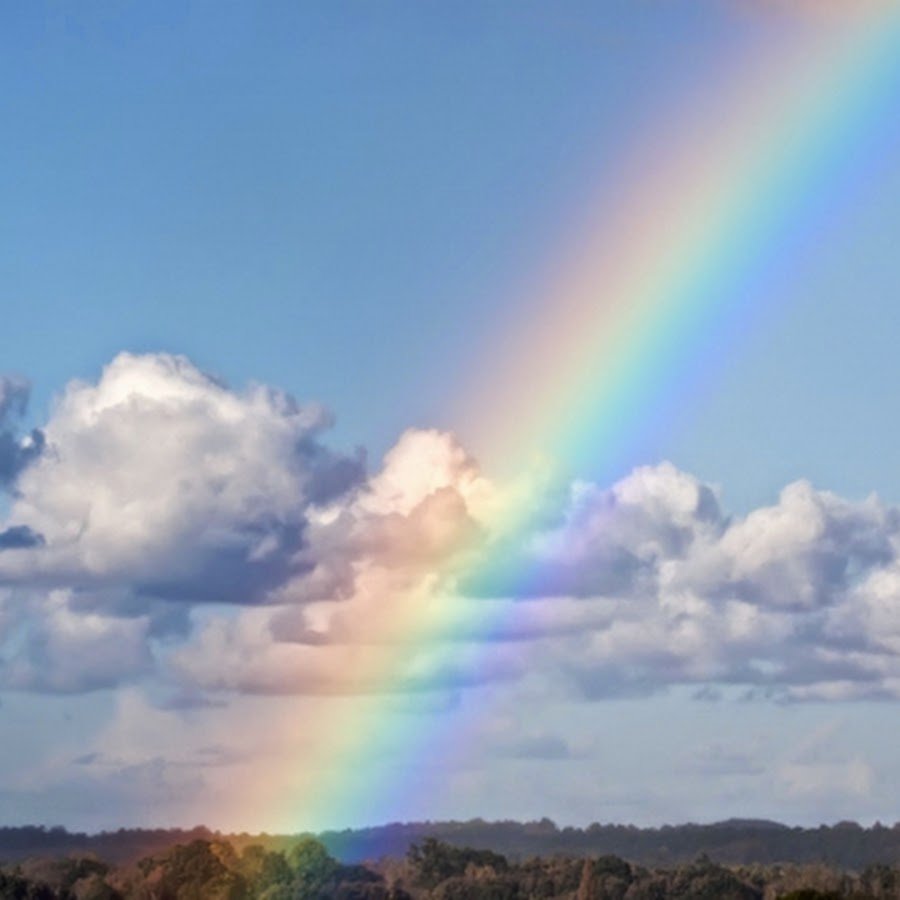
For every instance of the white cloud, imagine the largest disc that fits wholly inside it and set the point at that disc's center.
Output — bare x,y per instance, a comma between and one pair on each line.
160,478
161,491
639,587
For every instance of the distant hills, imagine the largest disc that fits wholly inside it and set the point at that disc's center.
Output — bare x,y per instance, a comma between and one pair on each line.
736,841
846,845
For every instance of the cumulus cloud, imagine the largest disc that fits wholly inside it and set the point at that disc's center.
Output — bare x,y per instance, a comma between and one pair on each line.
610,541
634,588
770,600
161,478
391,548
175,528
150,491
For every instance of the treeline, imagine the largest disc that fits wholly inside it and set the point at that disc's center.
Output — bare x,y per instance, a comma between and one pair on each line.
432,870
845,845
200,870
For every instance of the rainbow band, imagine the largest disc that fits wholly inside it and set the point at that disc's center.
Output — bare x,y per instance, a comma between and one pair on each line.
707,208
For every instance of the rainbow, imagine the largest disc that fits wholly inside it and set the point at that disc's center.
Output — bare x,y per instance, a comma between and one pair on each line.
711,203
670,270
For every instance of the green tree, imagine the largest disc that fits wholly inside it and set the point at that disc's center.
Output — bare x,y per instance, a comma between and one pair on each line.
312,868
193,871
263,869
435,861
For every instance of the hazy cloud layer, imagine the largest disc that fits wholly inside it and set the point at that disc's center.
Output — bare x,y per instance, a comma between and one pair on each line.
173,529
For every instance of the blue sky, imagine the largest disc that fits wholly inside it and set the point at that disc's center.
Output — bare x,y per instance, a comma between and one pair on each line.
352,203
307,195
304,195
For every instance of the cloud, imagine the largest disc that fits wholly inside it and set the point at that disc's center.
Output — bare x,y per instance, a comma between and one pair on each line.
87,759
158,488
817,768
634,588
16,453
59,648
161,478
178,530
242,655
718,759
854,777
648,584
96,796
544,747
20,537
609,541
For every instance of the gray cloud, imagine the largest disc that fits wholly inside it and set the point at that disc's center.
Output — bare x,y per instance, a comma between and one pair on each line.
544,747
718,760
20,537
55,647
16,453
162,493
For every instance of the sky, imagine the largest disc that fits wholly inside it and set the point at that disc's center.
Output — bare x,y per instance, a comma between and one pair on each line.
425,411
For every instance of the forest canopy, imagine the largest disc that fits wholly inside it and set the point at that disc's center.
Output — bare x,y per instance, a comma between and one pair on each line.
240,867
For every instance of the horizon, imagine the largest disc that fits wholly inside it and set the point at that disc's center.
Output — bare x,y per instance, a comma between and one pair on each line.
422,413
735,821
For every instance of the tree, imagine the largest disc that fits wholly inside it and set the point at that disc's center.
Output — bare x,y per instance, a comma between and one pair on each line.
311,867
193,871
435,861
